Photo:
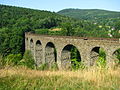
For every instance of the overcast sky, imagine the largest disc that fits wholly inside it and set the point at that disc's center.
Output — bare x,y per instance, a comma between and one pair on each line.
56,5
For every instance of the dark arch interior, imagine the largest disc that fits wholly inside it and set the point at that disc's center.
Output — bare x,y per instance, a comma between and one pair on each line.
26,39
38,53
96,49
116,56
50,44
26,42
31,41
50,53
70,57
31,44
96,54
38,43
73,50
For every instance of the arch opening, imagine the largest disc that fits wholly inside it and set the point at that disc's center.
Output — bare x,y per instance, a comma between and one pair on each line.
32,46
26,39
98,57
38,53
31,43
50,54
26,42
116,57
70,57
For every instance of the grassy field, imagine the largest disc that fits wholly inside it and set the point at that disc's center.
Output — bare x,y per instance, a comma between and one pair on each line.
90,79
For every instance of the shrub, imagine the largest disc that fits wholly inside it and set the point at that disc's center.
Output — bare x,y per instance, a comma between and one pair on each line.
118,56
28,60
12,59
54,66
1,61
77,65
101,62
43,67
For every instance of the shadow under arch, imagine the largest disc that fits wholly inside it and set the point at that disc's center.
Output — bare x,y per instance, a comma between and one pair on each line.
97,55
70,57
32,46
26,42
38,53
26,39
50,54
116,57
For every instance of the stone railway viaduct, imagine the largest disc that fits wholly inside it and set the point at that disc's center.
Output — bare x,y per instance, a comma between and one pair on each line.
43,46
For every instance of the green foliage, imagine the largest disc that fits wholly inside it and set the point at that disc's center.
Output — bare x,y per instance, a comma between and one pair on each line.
1,61
12,59
67,29
11,42
60,33
117,25
41,31
117,56
54,67
76,59
76,65
43,67
116,34
101,62
102,53
28,60
15,21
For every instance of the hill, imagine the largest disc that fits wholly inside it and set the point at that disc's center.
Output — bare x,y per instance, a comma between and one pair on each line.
89,14
15,21
17,16
110,19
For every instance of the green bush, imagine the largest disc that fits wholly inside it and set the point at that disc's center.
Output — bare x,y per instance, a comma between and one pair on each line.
41,31
43,67
12,59
54,66
77,65
101,62
1,61
28,60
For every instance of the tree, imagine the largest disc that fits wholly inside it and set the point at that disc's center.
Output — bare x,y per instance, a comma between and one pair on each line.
67,28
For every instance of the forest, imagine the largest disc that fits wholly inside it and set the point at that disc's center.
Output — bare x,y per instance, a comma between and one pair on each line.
15,21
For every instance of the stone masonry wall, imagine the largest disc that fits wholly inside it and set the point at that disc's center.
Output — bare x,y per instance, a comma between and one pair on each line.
84,46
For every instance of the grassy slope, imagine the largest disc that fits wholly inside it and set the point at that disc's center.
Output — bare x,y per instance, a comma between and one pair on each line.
92,79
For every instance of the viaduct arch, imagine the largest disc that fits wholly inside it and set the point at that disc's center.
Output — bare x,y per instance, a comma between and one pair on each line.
50,49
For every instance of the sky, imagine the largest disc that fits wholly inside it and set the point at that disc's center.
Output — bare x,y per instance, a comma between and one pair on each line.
57,5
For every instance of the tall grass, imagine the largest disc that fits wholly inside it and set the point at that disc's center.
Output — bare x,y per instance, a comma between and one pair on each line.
19,77
88,79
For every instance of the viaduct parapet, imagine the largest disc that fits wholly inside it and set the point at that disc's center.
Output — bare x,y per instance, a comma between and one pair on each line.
43,48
